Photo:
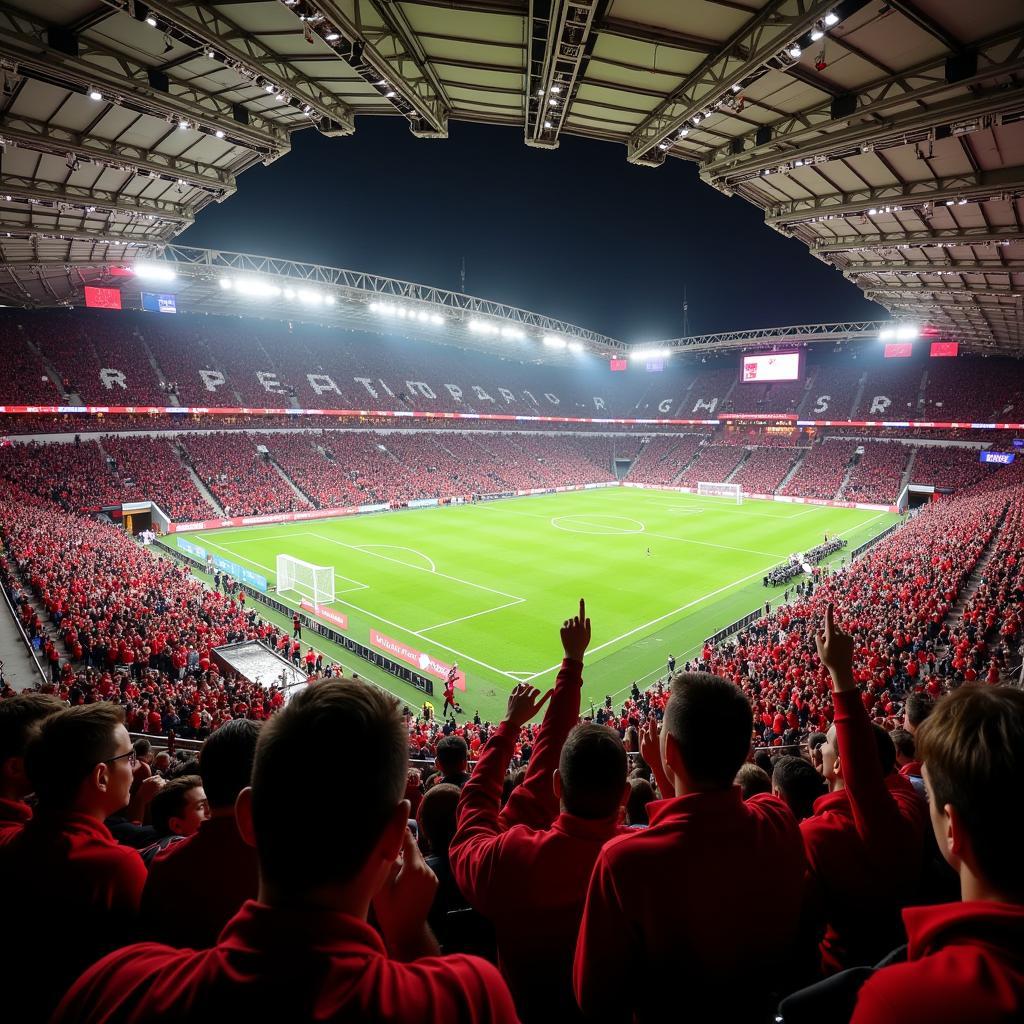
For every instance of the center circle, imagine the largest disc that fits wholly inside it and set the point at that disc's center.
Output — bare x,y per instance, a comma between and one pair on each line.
597,525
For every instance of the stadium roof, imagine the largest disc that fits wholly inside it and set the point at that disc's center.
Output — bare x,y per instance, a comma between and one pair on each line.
887,136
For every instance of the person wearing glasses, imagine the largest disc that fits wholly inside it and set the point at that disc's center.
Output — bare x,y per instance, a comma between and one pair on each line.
72,893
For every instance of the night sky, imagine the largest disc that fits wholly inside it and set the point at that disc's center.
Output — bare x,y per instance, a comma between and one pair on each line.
576,233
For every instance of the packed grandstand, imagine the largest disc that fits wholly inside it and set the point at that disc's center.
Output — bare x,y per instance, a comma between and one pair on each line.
225,793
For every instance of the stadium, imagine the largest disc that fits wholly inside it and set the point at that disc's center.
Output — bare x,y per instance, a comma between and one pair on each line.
358,621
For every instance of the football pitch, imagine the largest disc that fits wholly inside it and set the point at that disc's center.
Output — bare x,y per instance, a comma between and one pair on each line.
488,585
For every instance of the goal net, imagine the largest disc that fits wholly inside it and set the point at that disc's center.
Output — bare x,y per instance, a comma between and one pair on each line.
731,491
314,582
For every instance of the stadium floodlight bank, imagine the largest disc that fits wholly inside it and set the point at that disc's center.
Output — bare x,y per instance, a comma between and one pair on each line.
313,582
730,491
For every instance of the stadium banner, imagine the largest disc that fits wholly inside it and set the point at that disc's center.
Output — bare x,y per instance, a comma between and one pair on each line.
240,573
424,662
422,503
737,417
191,549
380,506
339,619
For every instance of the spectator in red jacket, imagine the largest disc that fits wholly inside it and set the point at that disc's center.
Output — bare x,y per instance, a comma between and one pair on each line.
676,907
533,863
18,717
964,960
865,840
304,950
88,894
214,872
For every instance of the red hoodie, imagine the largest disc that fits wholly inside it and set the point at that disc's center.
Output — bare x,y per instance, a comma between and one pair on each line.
965,963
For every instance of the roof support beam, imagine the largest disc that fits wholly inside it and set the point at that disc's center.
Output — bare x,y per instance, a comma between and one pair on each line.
763,38
816,130
919,240
40,190
560,38
940,289
126,82
27,133
971,187
244,53
946,267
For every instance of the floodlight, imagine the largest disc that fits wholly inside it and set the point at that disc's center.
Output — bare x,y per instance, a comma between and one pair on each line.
683,132
552,341
225,283
151,20
311,297
332,37
831,19
219,133
817,33
575,346
183,124
154,272
907,332
95,94
556,88
512,333
795,52
289,293
436,319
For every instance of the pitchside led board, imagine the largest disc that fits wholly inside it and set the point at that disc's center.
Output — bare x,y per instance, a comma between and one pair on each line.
772,367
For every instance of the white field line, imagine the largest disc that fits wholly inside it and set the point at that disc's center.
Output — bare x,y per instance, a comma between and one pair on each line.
267,568
418,568
661,618
463,618
709,544
394,625
398,547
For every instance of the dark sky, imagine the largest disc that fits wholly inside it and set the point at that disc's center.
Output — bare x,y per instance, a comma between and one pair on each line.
577,233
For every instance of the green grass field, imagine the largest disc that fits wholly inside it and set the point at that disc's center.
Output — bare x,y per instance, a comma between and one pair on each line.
488,585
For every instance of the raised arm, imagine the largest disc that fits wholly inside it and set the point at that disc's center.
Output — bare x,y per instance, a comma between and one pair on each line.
475,849
875,811
534,803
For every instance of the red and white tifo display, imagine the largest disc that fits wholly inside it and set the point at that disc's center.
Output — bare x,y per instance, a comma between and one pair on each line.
771,367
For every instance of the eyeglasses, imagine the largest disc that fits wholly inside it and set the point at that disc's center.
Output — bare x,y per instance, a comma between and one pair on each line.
133,759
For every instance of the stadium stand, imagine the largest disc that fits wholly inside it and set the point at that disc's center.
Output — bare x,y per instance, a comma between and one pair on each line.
714,464
662,459
765,469
821,472
878,473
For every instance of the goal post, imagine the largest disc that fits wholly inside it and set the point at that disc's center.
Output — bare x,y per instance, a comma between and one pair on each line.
313,582
732,492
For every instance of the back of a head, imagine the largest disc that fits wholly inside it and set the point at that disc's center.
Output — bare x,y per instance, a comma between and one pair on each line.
142,747
710,721
225,761
170,802
19,717
641,793
436,816
329,771
592,768
799,783
67,746
903,741
972,747
452,754
752,779
918,707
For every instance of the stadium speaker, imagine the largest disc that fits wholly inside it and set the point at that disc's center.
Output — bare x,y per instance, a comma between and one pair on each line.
961,66
763,136
943,131
736,146
240,114
158,80
844,105
62,40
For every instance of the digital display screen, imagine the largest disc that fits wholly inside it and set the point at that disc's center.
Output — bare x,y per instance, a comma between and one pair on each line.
899,350
159,302
766,367
1000,458
618,365
655,365
102,298
944,349
1018,442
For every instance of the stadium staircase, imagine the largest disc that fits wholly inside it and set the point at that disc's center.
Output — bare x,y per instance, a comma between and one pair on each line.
792,471
919,405
291,483
197,481
72,397
747,452
160,376
908,473
857,396
683,469
808,391
846,478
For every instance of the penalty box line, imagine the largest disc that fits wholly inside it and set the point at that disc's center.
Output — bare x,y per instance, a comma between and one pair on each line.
419,634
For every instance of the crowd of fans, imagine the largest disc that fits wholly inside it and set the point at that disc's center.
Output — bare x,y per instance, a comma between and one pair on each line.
765,469
714,464
276,876
821,472
878,472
